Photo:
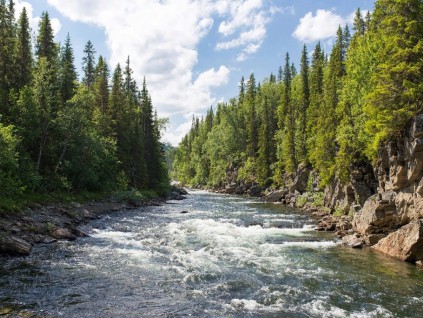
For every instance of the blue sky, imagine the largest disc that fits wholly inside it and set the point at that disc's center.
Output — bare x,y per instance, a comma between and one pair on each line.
194,52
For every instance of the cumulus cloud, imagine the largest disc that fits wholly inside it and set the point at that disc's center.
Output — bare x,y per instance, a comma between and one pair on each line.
246,25
321,26
34,21
162,38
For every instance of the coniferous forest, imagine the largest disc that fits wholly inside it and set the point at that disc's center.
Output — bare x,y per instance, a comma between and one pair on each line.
330,113
62,134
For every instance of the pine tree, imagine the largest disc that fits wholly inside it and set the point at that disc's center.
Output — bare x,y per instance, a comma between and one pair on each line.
101,84
305,101
316,100
289,155
45,45
359,26
397,82
251,117
24,61
88,64
68,76
7,50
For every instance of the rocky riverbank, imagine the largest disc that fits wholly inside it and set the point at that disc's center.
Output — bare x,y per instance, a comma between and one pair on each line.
380,206
19,231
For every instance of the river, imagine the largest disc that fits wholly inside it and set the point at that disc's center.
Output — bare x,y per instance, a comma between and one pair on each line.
227,257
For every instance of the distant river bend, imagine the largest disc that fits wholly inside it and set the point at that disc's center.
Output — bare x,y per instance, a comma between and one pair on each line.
227,257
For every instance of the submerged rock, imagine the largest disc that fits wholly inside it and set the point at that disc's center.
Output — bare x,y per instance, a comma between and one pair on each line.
405,244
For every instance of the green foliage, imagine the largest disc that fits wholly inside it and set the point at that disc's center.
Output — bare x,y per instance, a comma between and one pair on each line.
332,115
59,136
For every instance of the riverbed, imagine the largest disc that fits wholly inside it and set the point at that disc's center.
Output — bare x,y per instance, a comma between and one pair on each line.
224,256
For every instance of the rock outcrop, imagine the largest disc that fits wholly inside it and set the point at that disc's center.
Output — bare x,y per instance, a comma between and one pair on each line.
397,209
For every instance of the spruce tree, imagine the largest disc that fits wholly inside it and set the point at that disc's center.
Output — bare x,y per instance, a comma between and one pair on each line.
305,101
88,64
68,76
7,61
251,117
45,45
397,82
24,61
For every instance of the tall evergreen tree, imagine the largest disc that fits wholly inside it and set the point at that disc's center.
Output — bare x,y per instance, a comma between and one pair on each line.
45,45
305,101
24,61
251,117
359,26
101,84
68,76
88,64
316,99
397,82
7,50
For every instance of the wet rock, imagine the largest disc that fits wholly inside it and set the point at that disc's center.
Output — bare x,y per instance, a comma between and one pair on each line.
372,239
12,245
405,244
184,212
276,196
48,240
353,241
63,234
175,196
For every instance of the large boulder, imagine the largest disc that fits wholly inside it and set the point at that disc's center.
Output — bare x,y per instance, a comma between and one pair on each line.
377,215
405,244
12,245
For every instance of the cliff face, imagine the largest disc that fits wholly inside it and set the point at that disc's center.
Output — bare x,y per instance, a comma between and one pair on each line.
397,207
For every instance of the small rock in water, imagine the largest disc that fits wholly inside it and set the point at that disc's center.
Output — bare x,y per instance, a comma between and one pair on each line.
184,212
353,241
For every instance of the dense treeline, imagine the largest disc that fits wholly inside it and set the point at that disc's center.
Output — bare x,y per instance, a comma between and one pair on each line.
59,134
330,114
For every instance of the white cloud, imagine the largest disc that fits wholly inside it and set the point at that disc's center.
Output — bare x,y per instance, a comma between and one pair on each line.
321,26
246,24
34,21
162,39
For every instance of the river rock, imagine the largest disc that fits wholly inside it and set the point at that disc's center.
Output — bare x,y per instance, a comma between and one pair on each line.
372,239
63,234
12,245
276,196
353,241
174,195
405,244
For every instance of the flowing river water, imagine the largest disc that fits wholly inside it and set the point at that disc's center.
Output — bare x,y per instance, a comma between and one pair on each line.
227,257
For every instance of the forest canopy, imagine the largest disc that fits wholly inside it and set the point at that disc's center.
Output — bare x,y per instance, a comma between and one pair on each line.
330,114
59,133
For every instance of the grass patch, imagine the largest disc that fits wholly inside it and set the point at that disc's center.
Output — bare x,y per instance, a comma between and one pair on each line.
134,195
32,199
